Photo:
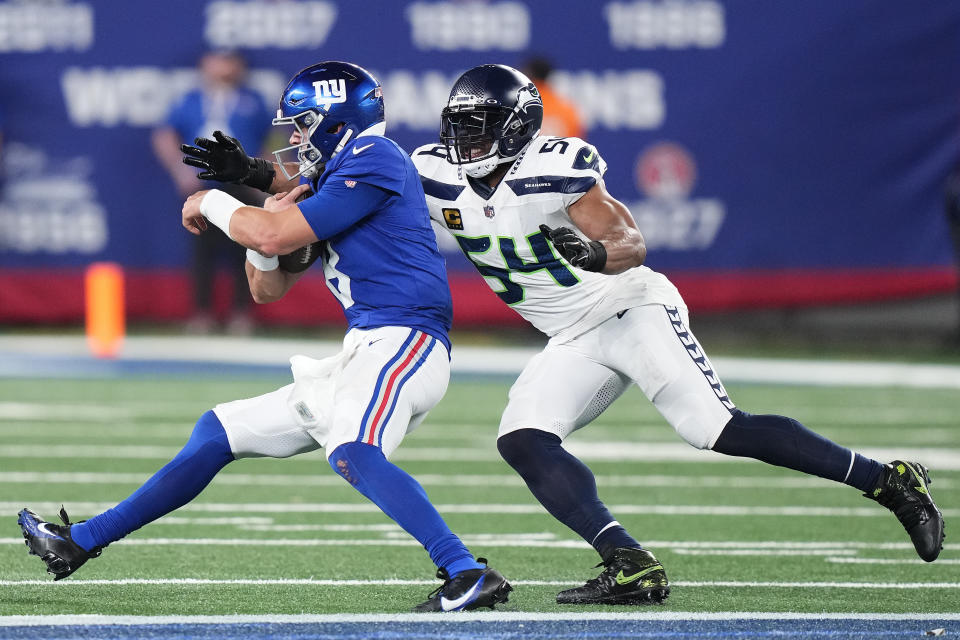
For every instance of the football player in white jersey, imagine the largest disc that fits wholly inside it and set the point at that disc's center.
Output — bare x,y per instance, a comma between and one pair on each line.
533,215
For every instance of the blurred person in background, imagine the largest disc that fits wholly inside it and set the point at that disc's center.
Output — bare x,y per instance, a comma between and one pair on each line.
220,102
1,151
952,209
561,118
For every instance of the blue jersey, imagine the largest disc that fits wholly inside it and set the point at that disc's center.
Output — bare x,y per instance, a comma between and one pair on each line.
380,257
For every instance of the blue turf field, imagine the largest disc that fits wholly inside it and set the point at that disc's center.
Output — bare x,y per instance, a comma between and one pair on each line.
475,628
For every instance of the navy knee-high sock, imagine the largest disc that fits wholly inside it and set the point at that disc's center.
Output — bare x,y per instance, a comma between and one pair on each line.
403,499
565,487
180,481
787,443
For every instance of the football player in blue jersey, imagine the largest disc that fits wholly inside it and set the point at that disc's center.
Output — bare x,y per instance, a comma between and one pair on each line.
533,214
365,213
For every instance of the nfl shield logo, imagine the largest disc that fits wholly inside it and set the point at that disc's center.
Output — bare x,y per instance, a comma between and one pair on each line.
488,211
350,183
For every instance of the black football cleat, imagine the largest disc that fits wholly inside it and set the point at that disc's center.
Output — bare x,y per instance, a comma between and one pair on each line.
903,488
52,542
631,576
471,589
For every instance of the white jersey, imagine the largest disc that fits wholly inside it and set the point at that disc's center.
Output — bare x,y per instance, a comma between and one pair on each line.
500,233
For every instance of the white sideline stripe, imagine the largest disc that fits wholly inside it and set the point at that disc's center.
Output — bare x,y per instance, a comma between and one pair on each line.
486,360
517,509
493,480
937,458
466,616
524,583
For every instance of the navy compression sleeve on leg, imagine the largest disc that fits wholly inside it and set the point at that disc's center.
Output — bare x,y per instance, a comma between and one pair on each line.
564,486
177,483
402,498
785,442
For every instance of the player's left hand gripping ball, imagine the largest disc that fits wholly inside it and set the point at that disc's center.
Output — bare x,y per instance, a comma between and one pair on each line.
589,256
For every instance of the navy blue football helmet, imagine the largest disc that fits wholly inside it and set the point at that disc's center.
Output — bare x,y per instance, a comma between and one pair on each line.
329,104
493,113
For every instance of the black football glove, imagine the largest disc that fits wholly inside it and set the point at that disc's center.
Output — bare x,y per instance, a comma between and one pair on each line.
223,159
589,256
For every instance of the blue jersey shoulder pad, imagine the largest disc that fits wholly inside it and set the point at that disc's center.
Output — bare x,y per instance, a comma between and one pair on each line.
374,160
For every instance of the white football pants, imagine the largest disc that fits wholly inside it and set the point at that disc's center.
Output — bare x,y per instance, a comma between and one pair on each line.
569,384
376,390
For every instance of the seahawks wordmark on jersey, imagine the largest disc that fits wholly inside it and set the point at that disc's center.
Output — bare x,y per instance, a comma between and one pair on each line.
499,232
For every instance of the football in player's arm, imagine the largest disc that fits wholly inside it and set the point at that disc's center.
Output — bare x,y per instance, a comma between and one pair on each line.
223,158
534,217
276,229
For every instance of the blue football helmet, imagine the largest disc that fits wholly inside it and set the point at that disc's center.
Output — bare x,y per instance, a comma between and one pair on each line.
329,104
493,113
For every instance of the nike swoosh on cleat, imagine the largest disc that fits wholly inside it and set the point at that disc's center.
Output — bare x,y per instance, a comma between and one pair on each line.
43,526
622,579
453,605
357,150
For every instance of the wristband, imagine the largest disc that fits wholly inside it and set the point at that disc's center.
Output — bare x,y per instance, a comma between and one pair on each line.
262,262
260,174
218,207
598,257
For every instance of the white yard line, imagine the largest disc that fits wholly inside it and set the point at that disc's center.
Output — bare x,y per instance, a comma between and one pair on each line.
53,415
936,458
764,552
66,412
839,547
516,541
484,509
915,561
14,506
442,480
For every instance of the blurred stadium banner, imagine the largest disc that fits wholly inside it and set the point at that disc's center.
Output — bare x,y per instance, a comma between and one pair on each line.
774,154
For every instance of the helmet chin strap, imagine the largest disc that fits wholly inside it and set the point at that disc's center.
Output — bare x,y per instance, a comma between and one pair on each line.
311,171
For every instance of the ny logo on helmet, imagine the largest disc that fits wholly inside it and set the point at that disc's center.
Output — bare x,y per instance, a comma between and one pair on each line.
331,91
